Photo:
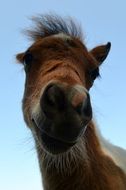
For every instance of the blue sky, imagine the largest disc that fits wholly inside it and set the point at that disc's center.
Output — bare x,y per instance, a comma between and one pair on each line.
102,21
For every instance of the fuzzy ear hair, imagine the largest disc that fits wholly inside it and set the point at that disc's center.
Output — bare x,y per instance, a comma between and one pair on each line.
20,57
101,52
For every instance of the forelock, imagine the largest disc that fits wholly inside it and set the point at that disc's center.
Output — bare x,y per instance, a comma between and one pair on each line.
47,25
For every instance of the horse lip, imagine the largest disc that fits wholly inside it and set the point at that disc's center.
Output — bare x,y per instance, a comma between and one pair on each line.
57,140
49,143
71,143
54,146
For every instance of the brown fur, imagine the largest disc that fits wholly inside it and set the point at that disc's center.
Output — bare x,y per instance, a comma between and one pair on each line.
68,61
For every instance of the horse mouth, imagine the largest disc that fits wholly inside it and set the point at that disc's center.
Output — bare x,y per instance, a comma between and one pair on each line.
51,144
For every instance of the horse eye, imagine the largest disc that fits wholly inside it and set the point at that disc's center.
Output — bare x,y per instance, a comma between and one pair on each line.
94,73
28,57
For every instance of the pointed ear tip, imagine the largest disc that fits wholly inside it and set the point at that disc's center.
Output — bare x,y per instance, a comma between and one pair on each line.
108,45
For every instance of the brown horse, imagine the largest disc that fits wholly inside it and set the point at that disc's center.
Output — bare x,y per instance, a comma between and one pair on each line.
60,71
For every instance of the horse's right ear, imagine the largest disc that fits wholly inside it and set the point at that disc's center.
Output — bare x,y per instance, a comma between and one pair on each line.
100,52
20,57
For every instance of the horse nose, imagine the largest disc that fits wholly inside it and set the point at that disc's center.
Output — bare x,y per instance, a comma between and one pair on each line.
67,111
53,100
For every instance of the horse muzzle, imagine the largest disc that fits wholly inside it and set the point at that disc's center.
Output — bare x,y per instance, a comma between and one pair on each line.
64,114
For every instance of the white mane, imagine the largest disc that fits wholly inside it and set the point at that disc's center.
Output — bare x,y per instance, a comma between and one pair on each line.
118,154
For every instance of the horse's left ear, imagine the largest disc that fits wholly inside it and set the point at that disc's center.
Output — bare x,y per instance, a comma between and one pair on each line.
20,57
100,52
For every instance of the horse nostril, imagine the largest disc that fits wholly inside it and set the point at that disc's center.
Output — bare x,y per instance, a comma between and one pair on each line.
50,96
86,108
55,96
52,100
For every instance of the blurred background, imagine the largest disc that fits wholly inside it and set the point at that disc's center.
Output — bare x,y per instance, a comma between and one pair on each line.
101,21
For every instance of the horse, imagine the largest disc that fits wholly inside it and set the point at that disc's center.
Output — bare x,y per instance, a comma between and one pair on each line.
60,70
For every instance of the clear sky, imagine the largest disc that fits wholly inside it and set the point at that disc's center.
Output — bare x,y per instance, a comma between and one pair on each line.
102,21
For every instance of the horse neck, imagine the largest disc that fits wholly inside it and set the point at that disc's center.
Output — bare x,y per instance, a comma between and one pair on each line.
91,169
59,173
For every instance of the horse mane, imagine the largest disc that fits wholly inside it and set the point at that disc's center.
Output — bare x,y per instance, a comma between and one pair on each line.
47,25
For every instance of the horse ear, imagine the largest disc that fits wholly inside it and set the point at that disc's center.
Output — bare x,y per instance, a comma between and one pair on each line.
100,52
20,57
